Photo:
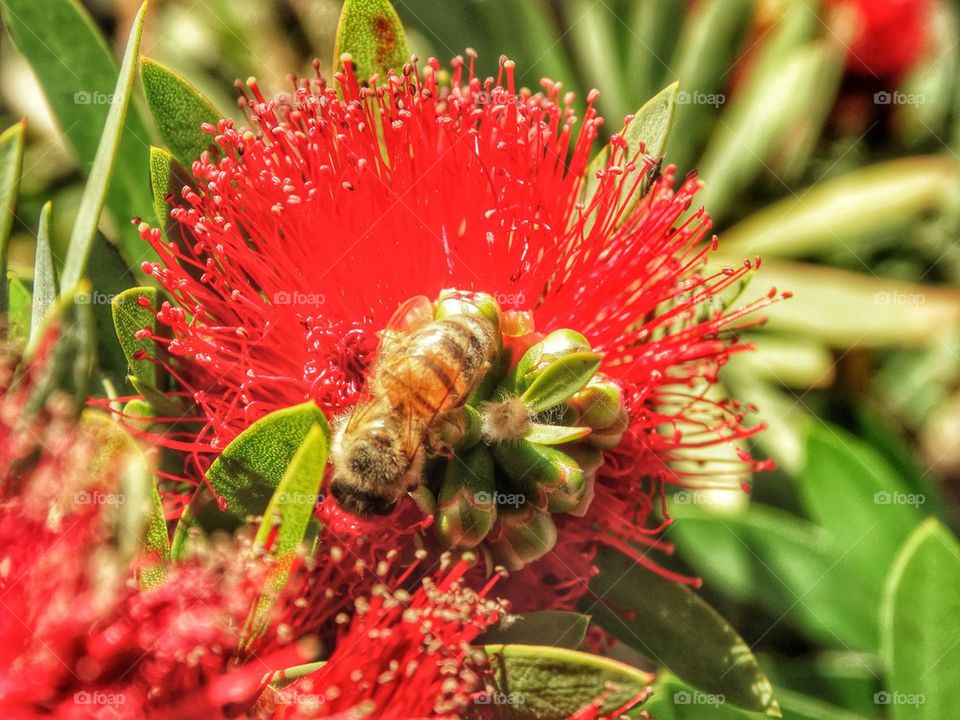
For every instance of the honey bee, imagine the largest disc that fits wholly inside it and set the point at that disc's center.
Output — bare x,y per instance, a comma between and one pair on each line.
424,369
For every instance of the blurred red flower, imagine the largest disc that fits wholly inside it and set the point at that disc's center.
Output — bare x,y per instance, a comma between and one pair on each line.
890,35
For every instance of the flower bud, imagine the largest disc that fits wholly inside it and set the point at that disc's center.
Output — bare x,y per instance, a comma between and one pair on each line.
610,437
598,405
554,346
521,536
466,506
550,479
455,303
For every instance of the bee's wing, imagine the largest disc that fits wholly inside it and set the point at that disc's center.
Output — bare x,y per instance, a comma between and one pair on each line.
411,315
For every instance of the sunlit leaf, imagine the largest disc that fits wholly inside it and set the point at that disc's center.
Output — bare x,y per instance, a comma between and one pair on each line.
11,165
371,32
44,277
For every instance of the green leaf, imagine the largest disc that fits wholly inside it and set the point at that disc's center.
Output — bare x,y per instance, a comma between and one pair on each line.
11,165
371,32
129,317
561,379
44,277
675,700
179,110
787,565
101,173
156,543
545,683
167,176
248,471
18,315
554,434
861,203
291,507
920,618
77,73
856,497
70,365
556,628
650,126
675,628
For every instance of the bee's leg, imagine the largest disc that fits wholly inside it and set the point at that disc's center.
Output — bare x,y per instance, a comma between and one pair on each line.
414,475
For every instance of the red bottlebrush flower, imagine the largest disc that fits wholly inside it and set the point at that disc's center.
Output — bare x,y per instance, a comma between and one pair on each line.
301,240
890,35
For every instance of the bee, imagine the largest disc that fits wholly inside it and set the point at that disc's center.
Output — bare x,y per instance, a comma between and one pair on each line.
424,369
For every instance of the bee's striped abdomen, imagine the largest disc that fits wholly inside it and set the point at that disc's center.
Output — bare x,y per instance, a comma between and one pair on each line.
437,367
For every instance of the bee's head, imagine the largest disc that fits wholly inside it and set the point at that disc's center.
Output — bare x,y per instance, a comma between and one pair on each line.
369,471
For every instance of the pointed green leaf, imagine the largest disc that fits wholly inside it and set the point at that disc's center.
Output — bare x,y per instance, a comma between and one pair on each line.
251,467
129,318
554,434
544,683
11,165
293,502
556,628
676,629
179,110
156,542
77,73
371,32
920,620
44,277
561,379
650,127
101,173
167,177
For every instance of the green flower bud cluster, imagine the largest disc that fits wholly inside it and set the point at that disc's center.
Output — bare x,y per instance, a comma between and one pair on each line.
527,444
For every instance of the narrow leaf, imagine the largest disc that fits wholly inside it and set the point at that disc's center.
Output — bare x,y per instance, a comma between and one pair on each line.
11,165
179,110
77,73
543,683
18,313
371,32
921,625
293,502
675,628
101,174
129,318
44,277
